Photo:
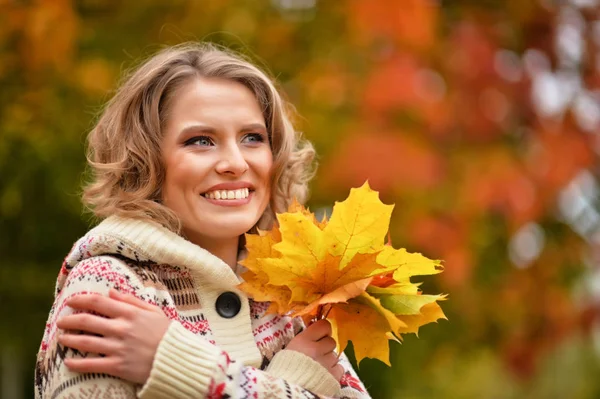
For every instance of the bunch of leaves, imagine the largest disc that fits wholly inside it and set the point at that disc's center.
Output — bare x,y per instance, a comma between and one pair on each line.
342,269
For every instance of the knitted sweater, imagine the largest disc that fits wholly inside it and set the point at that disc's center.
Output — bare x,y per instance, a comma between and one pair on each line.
202,354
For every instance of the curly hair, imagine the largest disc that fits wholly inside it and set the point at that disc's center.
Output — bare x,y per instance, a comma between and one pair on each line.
123,149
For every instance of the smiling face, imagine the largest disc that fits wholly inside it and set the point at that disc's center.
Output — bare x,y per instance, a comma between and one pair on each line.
217,160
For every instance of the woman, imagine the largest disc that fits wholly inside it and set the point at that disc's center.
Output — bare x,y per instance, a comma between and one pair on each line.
195,149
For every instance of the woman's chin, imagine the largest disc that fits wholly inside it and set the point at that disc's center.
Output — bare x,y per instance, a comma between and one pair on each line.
223,231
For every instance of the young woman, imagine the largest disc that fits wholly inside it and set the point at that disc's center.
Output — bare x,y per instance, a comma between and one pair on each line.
195,149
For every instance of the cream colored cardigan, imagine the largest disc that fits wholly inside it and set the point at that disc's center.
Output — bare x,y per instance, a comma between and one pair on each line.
202,354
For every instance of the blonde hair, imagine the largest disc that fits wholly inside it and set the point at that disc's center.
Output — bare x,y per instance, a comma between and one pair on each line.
124,147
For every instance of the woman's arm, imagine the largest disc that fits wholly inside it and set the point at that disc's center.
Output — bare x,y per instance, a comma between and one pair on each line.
53,379
186,365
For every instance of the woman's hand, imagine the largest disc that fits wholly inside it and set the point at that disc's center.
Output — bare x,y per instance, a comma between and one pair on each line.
316,342
129,335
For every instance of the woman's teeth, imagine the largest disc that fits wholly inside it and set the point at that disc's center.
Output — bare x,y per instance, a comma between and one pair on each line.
228,194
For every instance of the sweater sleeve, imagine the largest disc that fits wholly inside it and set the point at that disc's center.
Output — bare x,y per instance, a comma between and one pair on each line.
187,366
304,371
52,378
297,368
282,365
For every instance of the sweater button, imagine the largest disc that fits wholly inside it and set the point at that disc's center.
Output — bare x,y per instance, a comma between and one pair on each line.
228,304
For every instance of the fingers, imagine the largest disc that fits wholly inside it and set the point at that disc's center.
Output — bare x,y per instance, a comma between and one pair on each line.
88,343
100,304
318,330
337,371
132,300
329,360
89,323
106,365
325,345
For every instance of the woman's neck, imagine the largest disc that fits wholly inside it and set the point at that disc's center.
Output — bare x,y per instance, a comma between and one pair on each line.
224,249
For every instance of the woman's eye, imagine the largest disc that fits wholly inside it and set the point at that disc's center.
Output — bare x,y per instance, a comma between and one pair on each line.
200,141
254,138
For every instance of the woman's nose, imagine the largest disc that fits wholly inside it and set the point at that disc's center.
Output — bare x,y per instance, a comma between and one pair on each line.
232,161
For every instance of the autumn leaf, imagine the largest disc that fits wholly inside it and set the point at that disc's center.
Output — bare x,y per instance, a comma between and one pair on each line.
370,340
342,294
343,270
407,304
261,246
255,281
358,224
256,285
429,313
311,280
407,264
295,206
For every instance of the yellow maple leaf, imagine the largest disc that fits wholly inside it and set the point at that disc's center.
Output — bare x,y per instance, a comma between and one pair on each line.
406,264
429,313
295,207
405,300
371,339
358,224
341,294
315,278
343,270
256,282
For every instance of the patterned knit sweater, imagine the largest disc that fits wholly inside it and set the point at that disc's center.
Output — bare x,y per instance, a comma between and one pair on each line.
202,353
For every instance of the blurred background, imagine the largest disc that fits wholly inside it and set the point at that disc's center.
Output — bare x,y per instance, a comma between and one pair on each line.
479,119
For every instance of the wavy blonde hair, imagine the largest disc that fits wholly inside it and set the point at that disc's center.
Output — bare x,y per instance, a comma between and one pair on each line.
124,154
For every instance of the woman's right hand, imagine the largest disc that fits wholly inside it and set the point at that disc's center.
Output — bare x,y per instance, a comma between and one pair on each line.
128,336
316,342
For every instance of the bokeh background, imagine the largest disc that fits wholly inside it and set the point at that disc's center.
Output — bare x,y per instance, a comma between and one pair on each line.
479,119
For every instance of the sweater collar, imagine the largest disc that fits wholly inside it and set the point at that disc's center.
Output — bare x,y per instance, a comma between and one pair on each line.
152,241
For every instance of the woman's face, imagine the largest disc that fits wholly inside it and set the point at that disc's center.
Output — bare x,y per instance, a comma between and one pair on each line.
218,159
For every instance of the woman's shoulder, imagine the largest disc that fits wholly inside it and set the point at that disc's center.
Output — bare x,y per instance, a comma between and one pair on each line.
112,237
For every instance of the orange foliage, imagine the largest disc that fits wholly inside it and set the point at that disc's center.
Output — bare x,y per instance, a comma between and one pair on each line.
383,158
496,182
444,237
50,21
391,86
410,23
555,156
326,82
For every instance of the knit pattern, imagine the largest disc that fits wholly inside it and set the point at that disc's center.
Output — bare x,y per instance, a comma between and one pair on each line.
228,356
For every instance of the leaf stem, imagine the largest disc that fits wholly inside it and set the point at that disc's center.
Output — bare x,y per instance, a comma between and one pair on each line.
328,310
319,315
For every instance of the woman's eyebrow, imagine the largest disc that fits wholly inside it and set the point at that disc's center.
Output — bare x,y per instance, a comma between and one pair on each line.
254,127
197,129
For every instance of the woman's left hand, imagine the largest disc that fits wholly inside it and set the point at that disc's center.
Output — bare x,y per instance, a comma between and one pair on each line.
129,335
